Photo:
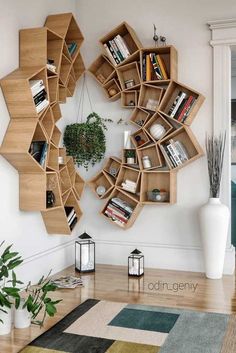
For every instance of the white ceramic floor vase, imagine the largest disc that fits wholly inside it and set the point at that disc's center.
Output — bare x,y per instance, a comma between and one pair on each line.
214,223
5,327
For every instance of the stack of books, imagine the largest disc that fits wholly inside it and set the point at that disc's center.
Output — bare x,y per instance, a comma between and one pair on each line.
153,67
39,94
117,50
129,185
38,150
71,216
72,48
118,211
175,152
181,107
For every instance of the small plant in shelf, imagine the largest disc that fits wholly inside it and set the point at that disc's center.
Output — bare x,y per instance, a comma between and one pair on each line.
130,156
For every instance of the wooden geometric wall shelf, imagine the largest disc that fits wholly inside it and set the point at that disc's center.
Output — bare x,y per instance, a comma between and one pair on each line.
162,111
50,65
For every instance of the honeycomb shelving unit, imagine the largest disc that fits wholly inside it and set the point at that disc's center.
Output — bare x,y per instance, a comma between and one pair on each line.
57,173
113,69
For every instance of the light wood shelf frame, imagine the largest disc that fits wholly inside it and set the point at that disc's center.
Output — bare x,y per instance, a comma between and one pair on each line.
147,92
102,66
129,96
157,118
102,179
37,45
129,72
152,151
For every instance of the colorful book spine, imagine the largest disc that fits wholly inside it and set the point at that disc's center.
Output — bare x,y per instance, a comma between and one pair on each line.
148,68
162,67
185,107
155,66
120,47
181,98
115,52
43,154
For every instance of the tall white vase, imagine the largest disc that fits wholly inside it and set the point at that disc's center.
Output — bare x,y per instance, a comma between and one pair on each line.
214,223
5,327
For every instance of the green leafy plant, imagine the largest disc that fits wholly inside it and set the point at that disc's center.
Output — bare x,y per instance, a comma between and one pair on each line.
38,300
130,154
86,142
9,290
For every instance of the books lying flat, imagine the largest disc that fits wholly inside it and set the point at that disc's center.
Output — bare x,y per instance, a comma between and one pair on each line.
118,211
42,105
68,282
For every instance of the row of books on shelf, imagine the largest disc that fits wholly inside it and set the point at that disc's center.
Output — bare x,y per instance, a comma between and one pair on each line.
71,216
119,211
39,94
181,106
38,150
175,152
117,50
153,67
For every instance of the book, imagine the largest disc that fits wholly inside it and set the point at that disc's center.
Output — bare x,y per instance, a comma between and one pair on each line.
72,219
162,67
182,151
185,107
71,215
37,88
73,223
117,215
43,154
114,217
40,94
148,68
174,153
123,204
188,110
51,67
115,209
72,47
120,209
110,55
120,47
117,50
42,105
156,69
144,68
69,282
35,84
181,97
123,45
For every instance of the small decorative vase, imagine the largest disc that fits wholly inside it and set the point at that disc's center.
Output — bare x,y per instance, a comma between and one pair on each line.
157,131
214,222
22,317
5,327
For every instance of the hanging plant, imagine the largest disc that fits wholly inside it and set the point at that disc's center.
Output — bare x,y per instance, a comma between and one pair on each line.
86,141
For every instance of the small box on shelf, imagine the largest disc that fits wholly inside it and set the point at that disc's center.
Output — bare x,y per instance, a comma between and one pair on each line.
121,44
158,187
149,157
139,117
102,69
129,99
122,209
181,103
129,76
102,185
180,148
158,64
157,127
150,97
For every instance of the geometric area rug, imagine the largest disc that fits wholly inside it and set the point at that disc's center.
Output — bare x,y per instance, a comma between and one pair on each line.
110,327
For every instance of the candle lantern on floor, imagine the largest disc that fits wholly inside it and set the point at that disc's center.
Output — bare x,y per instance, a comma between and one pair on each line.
85,254
136,263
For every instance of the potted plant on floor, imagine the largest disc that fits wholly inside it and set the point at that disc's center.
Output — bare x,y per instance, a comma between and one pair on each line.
9,290
36,302
214,216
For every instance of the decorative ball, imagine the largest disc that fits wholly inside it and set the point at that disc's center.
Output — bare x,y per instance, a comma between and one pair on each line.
101,190
112,92
157,131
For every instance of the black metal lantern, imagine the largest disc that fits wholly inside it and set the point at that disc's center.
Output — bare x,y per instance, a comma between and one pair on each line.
85,254
136,263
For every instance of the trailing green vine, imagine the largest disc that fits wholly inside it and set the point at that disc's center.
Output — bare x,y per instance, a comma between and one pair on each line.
86,142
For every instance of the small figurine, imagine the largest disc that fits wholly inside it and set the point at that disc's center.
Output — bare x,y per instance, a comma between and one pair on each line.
163,40
155,36
131,103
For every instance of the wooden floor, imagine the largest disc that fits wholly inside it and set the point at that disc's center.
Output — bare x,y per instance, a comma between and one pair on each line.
157,287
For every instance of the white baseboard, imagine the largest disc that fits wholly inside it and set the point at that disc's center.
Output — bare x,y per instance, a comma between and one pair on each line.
171,257
116,253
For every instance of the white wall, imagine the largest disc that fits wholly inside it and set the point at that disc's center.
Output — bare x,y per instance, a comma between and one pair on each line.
26,229
169,236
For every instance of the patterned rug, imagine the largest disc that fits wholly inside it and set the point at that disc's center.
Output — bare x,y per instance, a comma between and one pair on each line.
109,327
